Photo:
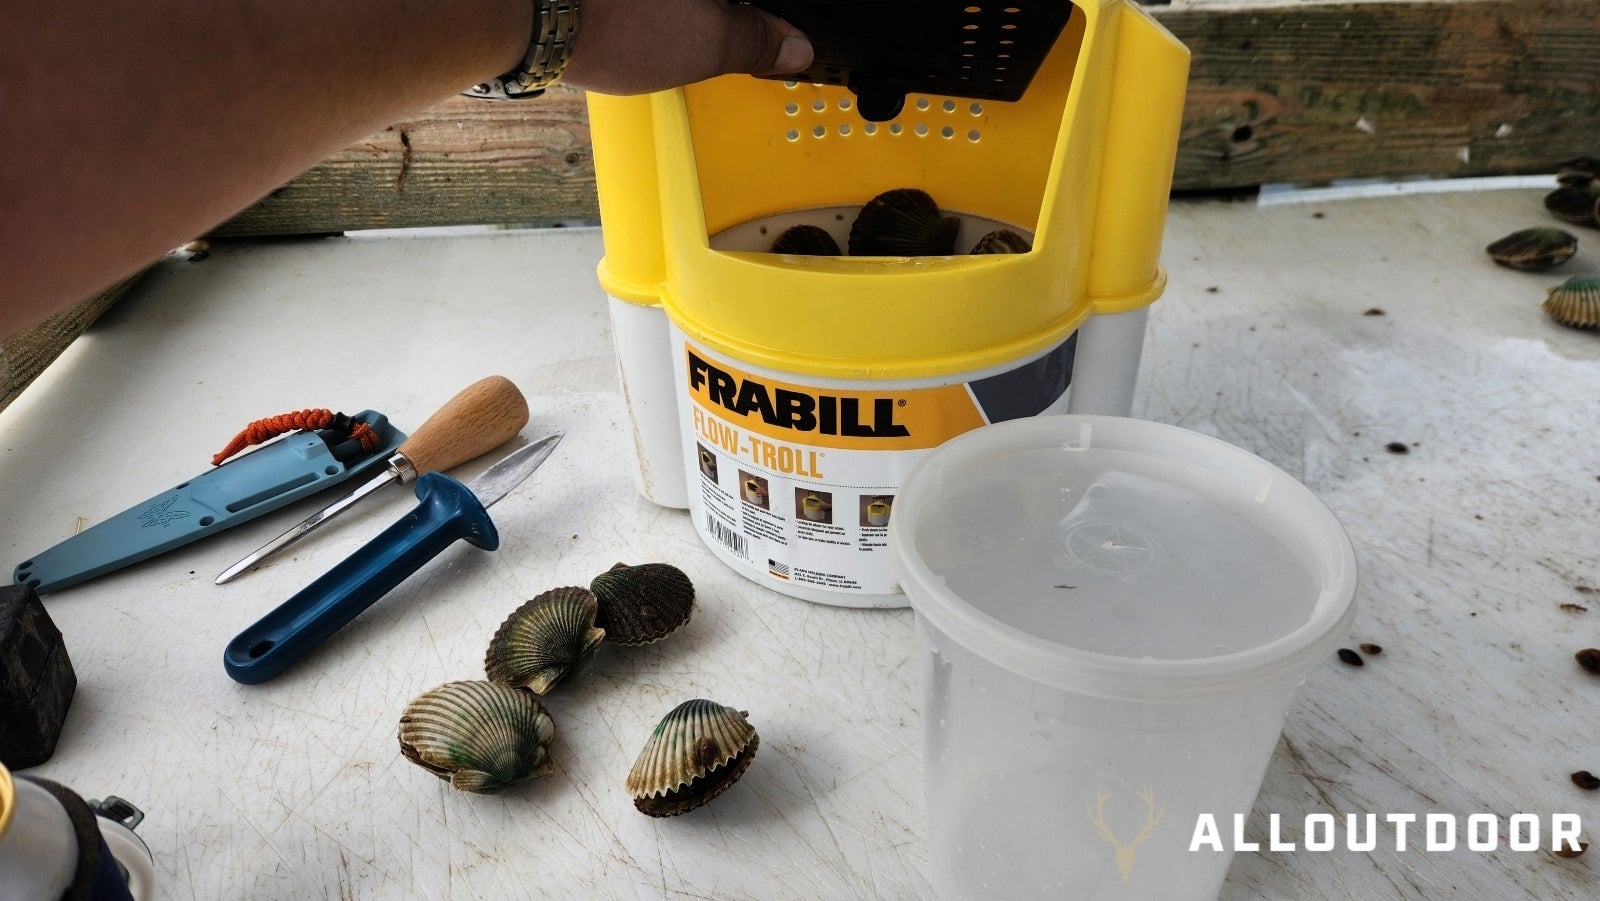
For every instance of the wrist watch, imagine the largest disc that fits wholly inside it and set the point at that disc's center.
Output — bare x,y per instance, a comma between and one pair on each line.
555,24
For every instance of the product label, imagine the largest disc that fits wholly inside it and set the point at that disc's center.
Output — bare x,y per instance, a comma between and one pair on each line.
796,483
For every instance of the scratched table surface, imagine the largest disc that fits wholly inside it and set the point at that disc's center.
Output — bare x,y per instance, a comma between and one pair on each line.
1477,552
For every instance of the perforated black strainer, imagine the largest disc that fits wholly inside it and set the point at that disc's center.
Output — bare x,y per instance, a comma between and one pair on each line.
884,49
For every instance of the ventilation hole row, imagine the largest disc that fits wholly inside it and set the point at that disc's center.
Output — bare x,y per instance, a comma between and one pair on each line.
845,103
921,130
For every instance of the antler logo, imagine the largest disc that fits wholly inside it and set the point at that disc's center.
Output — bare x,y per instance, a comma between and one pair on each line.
159,515
1125,852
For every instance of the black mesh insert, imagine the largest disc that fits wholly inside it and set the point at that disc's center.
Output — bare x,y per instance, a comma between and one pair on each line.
884,49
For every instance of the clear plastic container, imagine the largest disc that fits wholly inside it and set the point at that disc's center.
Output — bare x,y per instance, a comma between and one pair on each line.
1115,616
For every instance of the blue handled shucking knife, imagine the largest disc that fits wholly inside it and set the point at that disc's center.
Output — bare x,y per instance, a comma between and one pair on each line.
448,510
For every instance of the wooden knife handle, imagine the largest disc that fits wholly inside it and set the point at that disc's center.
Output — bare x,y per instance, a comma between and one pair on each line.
485,415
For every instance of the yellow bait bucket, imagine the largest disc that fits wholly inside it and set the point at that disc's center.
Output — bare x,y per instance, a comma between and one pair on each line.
781,398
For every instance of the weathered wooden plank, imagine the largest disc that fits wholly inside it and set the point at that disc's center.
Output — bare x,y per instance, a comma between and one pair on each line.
26,354
1319,91
1297,92
463,162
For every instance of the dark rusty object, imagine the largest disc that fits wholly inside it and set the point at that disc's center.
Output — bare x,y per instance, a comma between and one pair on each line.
1589,659
36,679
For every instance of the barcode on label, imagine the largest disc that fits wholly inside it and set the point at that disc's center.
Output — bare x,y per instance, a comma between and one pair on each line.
730,539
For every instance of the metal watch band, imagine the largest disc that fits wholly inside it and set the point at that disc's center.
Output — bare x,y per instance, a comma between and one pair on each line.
555,24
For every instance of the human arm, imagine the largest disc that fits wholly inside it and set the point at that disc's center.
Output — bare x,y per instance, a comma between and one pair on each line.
130,126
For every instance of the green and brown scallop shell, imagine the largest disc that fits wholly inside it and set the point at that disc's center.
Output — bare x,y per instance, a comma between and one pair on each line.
548,640
479,736
1575,302
697,752
1534,249
644,603
1002,240
1575,203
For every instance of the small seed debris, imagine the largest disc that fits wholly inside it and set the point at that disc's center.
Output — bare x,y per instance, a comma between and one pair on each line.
1397,447
1589,659
1375,311
1586,780
1569,851
1350,657
1371,649
1574,608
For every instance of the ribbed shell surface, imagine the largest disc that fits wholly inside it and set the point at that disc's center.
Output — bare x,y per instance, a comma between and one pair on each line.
644,603
479,735
1001,240
903,222
695,738
1576,302
807,240
547,640
1534,249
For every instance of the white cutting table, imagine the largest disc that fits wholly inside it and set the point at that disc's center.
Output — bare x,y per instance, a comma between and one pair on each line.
1469,546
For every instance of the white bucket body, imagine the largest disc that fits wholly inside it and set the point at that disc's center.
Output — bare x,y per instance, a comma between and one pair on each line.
802,511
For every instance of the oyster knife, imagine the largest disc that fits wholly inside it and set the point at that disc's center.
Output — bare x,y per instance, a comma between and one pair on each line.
448,510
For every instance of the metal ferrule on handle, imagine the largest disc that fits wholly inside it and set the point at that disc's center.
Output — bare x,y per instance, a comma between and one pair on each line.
483,415
448,511
401,467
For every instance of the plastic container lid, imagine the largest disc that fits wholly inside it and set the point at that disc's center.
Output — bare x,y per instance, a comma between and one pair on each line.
1123,559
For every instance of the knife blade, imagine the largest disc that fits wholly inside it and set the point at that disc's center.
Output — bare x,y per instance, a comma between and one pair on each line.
447,511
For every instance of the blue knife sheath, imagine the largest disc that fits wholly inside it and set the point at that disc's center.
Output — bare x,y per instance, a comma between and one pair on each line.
280,473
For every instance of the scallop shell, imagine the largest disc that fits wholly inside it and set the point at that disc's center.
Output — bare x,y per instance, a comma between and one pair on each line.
546,641
1578,172
695,753
1534,249
807,240
644,603
904,222
1574,203
480,736
1002,240
1576,302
